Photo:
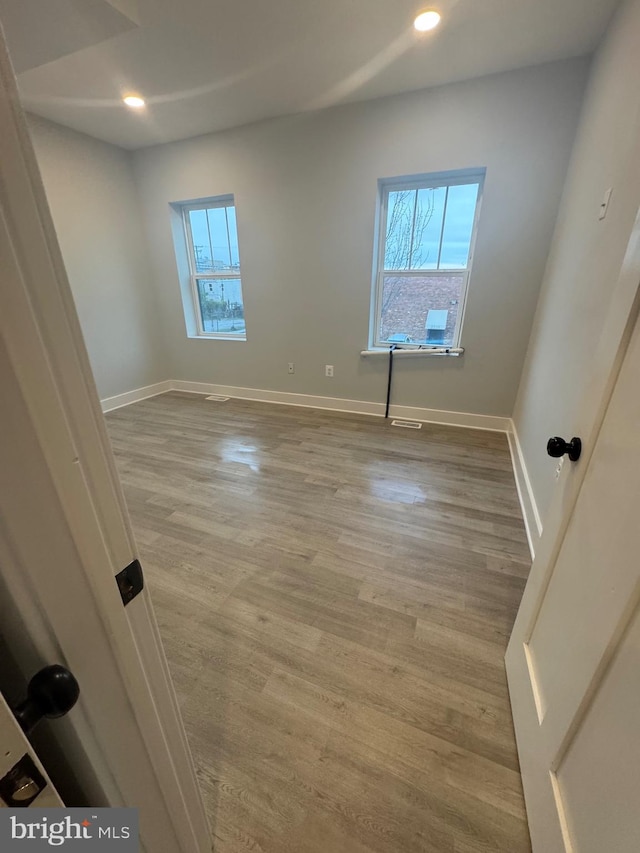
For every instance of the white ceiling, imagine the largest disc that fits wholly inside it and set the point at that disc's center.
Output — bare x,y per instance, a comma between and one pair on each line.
206,65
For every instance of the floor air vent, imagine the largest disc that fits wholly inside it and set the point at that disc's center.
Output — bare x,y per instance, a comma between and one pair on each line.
407,424
218,398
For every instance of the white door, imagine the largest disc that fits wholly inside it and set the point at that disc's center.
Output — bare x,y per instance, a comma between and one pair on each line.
65,533
573,662
20,784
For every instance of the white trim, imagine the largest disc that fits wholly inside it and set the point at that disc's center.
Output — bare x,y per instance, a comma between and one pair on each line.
129,397
219,202
468,420
406,349
528,504
538,754
125,741
417,182
214,336
283,398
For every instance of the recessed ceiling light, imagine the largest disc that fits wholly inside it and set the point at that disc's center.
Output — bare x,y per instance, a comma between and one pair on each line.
134,101
427,21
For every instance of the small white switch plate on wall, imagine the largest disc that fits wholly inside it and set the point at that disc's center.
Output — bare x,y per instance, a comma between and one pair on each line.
292,367
328,370
604,205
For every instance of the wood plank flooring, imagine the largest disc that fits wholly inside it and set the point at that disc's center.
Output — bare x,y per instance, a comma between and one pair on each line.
335,597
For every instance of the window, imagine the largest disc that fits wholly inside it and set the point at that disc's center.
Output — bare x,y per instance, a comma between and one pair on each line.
214,264
426,234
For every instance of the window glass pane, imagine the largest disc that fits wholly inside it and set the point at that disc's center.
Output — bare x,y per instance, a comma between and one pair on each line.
458,226
233,238
221,305
200,235
397,247
420,309
428,228
219,238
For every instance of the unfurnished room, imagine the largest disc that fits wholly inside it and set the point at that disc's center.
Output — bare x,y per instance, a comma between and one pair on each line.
320,433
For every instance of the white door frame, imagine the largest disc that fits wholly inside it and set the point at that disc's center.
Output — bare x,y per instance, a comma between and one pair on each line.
548,834
126,736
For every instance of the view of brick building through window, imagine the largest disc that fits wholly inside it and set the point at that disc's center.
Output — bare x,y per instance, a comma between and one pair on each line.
406,301
421,278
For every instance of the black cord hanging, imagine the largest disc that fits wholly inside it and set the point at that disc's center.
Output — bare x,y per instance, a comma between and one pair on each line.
391,349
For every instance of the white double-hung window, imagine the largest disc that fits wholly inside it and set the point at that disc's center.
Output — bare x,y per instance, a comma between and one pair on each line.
426,235
214,264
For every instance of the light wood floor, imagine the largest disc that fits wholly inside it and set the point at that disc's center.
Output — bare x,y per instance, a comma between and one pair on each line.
335,597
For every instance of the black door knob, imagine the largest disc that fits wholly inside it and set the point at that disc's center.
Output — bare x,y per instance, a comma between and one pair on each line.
557,447
51,693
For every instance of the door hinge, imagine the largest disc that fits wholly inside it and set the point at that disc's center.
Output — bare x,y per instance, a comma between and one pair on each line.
130,582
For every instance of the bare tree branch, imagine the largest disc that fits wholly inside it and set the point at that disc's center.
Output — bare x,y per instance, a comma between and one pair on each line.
407,222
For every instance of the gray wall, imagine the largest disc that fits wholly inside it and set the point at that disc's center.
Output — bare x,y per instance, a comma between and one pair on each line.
91,193
305,190
560,387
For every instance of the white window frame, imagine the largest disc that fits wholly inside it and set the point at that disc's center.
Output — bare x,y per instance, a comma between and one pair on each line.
426,181
195,276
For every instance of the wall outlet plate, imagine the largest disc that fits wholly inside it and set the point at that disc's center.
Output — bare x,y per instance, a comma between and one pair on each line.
328,370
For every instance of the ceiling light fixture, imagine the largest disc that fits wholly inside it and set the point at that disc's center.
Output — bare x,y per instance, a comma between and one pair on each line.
427,21
134,101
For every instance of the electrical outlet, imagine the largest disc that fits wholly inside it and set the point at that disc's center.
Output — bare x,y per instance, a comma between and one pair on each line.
559,467
328,370
292,367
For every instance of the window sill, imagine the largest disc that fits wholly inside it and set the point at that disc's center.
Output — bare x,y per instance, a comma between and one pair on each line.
413,352
216,338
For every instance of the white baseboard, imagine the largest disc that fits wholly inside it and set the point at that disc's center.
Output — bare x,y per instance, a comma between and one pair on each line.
469,420
532,521
283,398
111,403
340,404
